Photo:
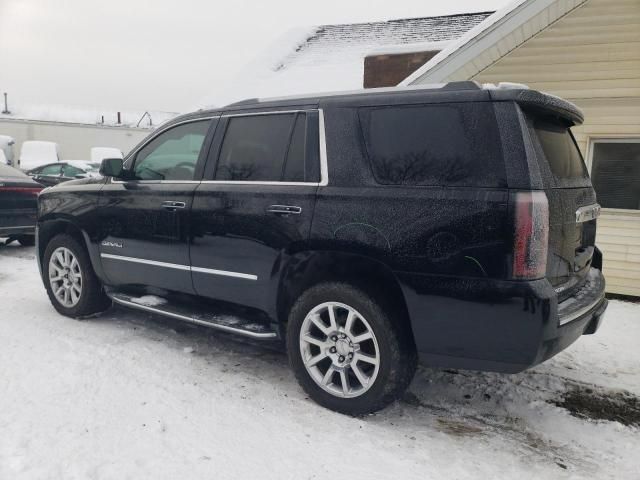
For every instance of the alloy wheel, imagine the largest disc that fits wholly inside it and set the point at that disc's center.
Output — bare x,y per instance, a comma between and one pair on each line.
339,349
65,277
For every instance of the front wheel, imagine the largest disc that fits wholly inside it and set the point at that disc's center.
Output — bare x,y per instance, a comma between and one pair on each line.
346,351
71,284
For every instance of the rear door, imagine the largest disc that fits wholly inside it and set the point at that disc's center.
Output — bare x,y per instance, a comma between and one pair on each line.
144,221
255,204
572,202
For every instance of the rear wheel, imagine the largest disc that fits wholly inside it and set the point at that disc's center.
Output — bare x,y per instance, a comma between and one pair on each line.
346,351
71,284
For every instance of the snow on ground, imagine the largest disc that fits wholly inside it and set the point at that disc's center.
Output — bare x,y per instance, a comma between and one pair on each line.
126,395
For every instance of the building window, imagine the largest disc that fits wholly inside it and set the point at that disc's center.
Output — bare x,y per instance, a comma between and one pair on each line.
615,172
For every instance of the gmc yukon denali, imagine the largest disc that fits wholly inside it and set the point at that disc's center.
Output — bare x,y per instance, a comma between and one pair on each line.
364,231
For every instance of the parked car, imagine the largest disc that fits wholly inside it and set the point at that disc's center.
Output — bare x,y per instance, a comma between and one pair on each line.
35,153
454,224
58,172
18,205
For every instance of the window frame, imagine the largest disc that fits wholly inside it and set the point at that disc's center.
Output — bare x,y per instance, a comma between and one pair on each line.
130,158
591,141
324,174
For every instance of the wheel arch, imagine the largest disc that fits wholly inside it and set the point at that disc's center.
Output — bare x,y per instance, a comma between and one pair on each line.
49,228
303,270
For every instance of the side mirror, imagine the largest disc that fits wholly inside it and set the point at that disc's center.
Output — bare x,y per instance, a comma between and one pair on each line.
112,167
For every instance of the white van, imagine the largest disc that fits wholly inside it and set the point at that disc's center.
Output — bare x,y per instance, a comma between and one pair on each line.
35,153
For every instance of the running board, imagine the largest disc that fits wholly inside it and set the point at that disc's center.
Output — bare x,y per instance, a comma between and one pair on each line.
199,316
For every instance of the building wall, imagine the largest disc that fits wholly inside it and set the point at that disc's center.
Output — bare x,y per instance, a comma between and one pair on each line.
592,57
75,140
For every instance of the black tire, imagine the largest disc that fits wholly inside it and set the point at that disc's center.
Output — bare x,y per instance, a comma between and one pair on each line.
397,363
92,298
26,240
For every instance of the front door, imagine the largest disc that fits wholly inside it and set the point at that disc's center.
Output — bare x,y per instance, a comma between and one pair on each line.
145,220
255,204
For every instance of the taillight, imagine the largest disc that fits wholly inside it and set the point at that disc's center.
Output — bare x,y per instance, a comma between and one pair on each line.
531,236
28,190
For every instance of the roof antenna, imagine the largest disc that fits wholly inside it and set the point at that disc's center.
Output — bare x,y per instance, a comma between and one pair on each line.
6,110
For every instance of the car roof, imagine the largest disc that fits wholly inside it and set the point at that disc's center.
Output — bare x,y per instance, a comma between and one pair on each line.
452,91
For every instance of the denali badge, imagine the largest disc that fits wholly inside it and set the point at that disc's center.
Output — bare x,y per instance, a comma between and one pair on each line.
106,243
585,214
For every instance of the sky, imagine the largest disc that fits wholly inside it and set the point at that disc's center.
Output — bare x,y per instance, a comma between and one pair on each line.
162,54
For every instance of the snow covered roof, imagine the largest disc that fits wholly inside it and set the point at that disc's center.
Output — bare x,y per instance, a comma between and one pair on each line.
86,116
331,57
496,36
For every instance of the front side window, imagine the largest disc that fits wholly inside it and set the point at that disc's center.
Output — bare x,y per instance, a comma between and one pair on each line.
452,144
173,154
615,173
268,148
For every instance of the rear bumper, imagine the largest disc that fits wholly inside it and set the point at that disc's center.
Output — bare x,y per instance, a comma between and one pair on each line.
586,324
495,325
18,221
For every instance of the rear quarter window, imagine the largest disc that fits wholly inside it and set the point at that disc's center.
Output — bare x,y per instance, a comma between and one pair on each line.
434,145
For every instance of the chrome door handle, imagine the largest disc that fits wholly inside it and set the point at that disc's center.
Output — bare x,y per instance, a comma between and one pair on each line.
171,205
284,209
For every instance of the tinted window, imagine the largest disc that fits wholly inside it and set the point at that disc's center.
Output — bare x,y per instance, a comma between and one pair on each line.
616,174
172,155
50,170
454,144
561,151
71,171
254,147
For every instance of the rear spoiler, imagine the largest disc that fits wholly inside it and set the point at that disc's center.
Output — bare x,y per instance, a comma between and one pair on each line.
532,99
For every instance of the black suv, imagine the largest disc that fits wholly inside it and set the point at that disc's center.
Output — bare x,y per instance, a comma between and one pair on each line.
454,224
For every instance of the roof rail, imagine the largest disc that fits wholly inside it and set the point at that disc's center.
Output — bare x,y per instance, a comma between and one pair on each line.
246,101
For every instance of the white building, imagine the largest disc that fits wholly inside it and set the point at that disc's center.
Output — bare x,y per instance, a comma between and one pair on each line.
76,130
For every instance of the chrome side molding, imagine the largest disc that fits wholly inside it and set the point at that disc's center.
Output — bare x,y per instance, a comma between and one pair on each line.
588,213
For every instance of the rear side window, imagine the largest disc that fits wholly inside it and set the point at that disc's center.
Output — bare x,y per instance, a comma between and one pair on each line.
71,171
50,170
452,144
561,152
268,148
